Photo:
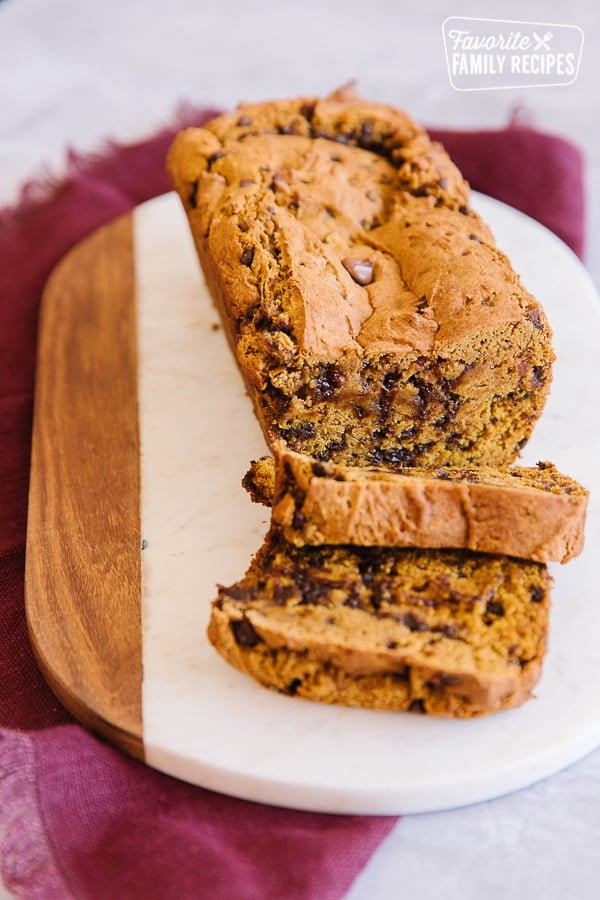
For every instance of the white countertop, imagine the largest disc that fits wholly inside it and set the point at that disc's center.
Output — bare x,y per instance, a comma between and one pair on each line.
75,73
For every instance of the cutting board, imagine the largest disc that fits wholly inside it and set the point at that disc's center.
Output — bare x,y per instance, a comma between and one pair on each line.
142,433
83,576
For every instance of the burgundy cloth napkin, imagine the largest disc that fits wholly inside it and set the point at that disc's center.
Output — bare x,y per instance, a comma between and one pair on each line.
78,818
540,174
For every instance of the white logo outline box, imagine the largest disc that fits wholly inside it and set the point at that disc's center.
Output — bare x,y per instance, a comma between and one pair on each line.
512,22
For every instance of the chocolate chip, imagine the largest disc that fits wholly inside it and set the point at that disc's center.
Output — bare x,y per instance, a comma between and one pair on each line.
244,633
397,456
353,601
283,592
244,121
211,159
537,594
535,318
361,270
391,645
192,198
475,237
365,137
239,591
494,607
386,395
538,376
449,680
298,520
247,256
390,379
299,432
413,622
312,593
307,110
293,686
319,470
263,321
327,382
245,182
417,706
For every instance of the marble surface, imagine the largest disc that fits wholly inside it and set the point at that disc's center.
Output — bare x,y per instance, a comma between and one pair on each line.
206,723
74,73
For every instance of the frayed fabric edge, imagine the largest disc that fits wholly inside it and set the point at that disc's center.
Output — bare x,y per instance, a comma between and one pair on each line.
27,864
41,187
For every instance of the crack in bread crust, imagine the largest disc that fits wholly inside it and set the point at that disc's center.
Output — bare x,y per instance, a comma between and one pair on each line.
376,323
372,316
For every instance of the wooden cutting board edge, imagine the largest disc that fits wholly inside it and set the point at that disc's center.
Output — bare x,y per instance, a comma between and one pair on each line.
83,569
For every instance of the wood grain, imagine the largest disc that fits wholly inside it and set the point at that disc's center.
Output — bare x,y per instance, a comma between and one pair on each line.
83,581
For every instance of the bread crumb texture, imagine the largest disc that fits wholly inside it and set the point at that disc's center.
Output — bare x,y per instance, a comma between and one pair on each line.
372,315
449,633
535,513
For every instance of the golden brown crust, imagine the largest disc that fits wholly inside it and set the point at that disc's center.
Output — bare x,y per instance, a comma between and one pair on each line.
421,690
532,513
406,306
360,292
447,633
374,321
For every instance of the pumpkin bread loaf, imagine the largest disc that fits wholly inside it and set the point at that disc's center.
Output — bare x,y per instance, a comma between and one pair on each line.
533,513
372,315
450,633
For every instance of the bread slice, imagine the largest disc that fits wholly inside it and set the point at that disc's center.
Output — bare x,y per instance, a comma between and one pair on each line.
533,513
450,633
372,315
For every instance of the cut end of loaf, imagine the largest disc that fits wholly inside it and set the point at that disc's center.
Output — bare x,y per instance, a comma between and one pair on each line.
373,317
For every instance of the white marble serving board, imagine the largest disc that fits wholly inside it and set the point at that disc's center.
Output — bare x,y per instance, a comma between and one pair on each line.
206,723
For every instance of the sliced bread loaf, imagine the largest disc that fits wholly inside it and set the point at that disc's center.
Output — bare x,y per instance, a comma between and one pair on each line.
532,513
450,633
372,315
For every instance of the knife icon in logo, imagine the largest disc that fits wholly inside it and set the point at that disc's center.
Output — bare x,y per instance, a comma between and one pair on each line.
542,42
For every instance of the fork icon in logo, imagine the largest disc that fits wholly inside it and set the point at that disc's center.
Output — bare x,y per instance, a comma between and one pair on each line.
542,42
